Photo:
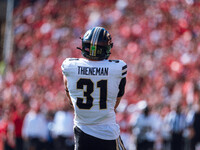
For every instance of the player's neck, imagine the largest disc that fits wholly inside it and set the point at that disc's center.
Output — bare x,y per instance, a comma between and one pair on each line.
93,60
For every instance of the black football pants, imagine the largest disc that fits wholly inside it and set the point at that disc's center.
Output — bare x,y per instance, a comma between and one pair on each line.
84,141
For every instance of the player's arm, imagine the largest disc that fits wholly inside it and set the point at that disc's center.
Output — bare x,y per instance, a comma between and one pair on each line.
66,89
117,103
121,92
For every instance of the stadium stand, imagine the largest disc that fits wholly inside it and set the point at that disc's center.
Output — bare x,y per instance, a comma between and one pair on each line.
159,41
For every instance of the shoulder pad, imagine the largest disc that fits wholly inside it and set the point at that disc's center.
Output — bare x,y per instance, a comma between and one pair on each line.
67,63
122,65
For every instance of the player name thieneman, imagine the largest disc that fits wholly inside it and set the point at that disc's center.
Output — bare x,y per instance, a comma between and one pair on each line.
93,71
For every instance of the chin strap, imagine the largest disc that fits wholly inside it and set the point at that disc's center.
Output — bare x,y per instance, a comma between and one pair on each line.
79,48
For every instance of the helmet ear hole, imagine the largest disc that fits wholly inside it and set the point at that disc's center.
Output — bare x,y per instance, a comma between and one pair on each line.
86,47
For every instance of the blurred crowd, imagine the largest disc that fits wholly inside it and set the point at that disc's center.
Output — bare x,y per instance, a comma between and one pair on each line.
159,41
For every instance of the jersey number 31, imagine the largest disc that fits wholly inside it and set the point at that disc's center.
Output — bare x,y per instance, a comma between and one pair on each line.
102,85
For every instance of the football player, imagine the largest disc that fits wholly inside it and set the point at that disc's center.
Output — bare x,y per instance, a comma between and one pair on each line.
95,86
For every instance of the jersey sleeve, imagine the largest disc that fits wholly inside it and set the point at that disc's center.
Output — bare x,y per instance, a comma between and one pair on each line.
120,68
122,84
122,87
123,69
65,66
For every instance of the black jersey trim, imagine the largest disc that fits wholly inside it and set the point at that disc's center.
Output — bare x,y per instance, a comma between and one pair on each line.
124,67
124,73
122,87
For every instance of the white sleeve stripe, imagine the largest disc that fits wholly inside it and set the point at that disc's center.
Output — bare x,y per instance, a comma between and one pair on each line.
124,70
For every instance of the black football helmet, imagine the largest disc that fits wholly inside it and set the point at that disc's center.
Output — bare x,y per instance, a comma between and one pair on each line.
96,44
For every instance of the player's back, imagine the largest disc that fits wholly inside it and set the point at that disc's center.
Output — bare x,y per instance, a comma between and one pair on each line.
93,88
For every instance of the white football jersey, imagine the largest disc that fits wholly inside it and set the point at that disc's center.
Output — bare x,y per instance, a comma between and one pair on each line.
94,87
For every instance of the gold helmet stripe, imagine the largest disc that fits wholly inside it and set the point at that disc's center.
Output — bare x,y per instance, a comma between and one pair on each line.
94,41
